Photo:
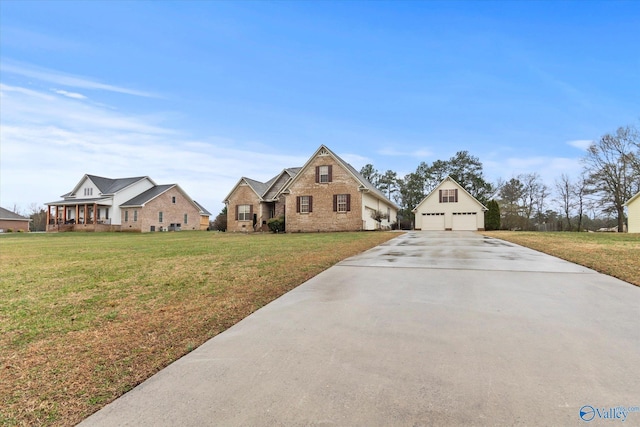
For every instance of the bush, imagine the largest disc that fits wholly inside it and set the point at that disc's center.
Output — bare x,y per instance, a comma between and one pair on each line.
276,225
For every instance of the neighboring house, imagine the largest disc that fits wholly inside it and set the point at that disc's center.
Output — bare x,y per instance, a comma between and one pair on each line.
449,207
12,221
326,194
633,211
96,204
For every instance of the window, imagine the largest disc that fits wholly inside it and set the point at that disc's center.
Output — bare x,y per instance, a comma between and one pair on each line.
304,204
135,216
449,196
126,216
88,191
159,216
244,212
185,219
342,202
173,200
324,174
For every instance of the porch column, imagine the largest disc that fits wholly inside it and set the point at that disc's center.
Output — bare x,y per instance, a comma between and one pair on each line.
57,214
48,216
84,220
95,213
77,213
64,215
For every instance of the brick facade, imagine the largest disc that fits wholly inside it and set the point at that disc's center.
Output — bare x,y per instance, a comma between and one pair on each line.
341,200
244,195
148,216
322,217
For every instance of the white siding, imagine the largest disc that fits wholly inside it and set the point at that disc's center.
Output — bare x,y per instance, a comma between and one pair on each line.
371,204
125,195
634,216
465,204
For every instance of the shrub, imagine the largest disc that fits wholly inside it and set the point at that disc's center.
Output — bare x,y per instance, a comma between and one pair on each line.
276,225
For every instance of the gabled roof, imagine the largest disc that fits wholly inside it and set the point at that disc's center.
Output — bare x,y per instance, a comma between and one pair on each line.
108,185
273,189
637,196
203,211
264,190
365,185
6,214
448,178
146,196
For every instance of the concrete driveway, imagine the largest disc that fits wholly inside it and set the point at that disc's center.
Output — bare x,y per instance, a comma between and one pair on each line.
431,328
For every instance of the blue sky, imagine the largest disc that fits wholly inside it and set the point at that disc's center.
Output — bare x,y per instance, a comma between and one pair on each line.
201,93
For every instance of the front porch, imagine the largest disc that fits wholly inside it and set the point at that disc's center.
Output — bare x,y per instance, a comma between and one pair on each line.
79,217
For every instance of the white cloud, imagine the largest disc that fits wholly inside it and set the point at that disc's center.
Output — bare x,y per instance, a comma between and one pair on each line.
56,77
420,153
50,142
582,144
70,94
549,168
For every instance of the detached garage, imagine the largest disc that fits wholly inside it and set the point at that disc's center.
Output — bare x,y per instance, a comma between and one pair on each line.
449,207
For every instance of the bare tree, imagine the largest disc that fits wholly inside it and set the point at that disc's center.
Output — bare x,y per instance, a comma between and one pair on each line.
612,167
565,192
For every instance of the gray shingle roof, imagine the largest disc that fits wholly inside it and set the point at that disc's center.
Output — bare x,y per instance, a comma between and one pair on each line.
110,186
8,215
202,209
151,193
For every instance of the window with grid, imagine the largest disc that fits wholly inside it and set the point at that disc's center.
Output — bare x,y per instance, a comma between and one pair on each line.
304,204
323,171
341,201
244,212
159,216
449,196
135,216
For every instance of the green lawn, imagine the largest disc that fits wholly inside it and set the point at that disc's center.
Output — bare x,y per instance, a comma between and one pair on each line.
84,317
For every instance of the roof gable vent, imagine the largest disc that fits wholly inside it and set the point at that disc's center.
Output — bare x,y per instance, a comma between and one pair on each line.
323,152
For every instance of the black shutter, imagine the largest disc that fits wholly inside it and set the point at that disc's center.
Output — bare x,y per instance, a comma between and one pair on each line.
298,204
335,203
310,204
456,195
330,173
317,174
237,213
440,193
348,202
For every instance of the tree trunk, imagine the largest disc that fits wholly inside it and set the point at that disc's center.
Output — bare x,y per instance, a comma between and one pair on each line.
620,219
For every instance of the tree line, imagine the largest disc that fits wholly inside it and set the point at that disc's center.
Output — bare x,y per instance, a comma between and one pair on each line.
610,176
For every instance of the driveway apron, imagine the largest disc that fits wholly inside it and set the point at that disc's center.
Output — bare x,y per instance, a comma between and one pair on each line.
430,328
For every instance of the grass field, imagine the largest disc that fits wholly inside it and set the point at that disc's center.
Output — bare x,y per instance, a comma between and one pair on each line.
615,254
84,317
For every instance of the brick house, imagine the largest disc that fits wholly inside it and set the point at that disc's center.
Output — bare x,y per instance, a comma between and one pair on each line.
163,208
12,221
326,194
97,204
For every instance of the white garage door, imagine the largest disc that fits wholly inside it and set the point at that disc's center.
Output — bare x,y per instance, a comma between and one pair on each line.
432,221
465,221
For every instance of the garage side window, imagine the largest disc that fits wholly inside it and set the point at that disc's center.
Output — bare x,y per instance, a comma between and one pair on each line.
449,196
